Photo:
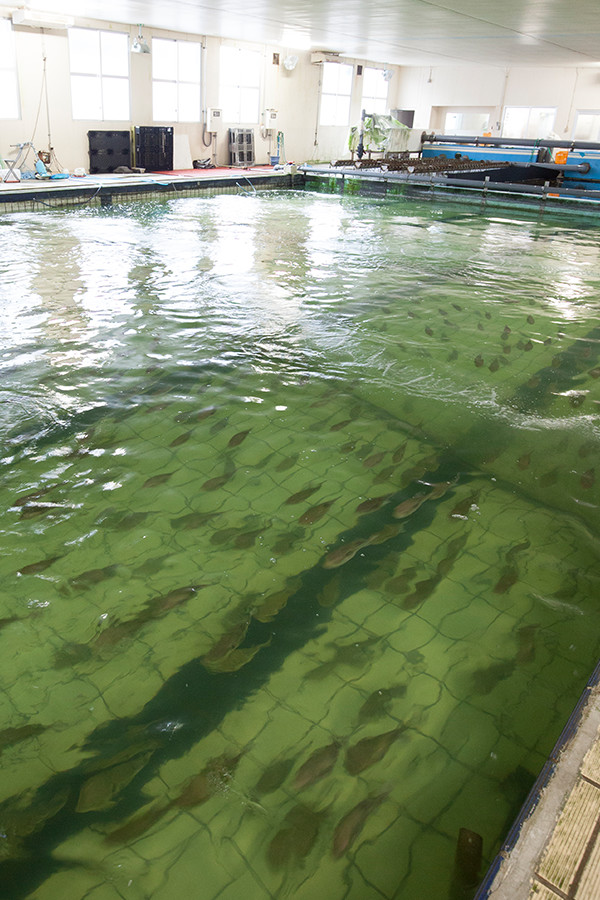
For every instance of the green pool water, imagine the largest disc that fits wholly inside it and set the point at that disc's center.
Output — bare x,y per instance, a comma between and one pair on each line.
299,541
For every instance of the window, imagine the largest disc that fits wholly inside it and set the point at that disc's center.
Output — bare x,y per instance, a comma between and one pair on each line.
528,121
335,94
587,125
467,123
9,95
176,81
240,84
375,91
99,74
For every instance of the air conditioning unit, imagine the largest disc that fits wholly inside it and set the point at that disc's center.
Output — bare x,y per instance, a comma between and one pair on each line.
320,56
31,19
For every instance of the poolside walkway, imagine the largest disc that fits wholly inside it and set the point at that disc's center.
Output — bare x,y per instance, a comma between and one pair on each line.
102,189
556,853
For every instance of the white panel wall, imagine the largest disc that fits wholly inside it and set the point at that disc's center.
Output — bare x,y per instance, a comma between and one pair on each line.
567,89
294,94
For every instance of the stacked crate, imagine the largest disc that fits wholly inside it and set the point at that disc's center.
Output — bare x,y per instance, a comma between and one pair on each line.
241,146
154,147
109,150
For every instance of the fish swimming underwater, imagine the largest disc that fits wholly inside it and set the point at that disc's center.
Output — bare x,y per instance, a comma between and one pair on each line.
11,736
193,520
41,566
350,826
373,460
315,513
99,790
213,484
213,779
379,702
34,495
331,592
297,837
371,750
238,438
274,776
372,504
341,555
182,439
116,631
93,576
157,480
235,659
408,507
228,641
303,495
317,766
274,603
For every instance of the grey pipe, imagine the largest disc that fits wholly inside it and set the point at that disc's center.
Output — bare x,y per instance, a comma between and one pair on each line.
583,167
506,187
434,138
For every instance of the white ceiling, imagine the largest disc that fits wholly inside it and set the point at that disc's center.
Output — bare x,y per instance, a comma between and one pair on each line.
402,32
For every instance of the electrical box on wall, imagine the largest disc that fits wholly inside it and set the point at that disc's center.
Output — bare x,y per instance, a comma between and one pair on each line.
269,119
214,119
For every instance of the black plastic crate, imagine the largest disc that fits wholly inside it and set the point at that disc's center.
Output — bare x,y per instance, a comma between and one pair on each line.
154,147
108,150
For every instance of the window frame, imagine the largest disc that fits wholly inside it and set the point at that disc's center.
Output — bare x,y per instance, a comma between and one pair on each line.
586,112
101,78
179,83
530,110
9,72
239,87
337,94
371,97
467,113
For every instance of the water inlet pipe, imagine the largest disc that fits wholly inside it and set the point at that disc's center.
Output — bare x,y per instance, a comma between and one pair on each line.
479,141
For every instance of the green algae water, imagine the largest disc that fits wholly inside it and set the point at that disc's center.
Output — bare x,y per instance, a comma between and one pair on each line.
299,542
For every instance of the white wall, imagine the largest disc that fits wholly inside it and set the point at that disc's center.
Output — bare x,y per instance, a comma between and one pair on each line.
294,94
567,89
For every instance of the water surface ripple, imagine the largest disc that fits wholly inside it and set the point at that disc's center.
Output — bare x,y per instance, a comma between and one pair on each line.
299,543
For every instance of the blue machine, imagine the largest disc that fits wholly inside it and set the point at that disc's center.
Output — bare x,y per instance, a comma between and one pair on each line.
589,180
554,175
571,166
510,154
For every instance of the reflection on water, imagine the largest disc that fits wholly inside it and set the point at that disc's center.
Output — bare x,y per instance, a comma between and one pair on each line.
299,542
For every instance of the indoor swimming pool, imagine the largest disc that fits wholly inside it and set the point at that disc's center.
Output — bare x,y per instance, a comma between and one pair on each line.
299,541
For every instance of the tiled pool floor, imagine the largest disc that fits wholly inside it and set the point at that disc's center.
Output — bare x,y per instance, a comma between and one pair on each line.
300,563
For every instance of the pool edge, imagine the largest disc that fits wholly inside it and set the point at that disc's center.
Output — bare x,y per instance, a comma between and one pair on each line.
511,874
